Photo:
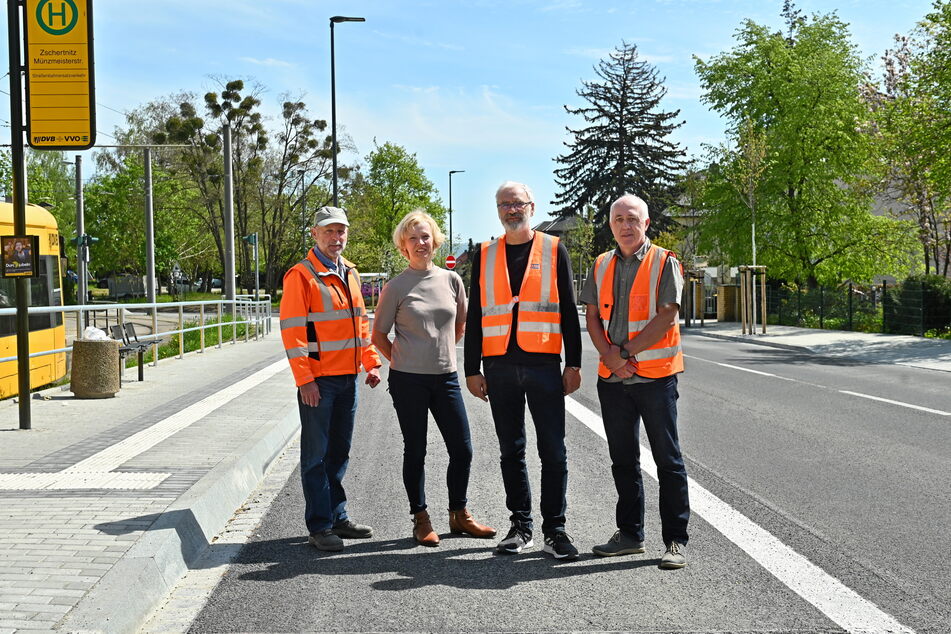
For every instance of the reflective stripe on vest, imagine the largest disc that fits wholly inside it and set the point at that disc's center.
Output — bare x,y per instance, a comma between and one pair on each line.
332,340
665,357
539,314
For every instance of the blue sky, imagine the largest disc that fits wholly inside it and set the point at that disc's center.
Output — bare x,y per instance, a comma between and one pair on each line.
474,85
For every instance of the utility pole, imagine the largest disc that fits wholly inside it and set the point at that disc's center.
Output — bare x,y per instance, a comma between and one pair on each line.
82,250
19,210
229,286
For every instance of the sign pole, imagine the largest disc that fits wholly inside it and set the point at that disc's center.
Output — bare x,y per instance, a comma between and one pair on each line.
19,210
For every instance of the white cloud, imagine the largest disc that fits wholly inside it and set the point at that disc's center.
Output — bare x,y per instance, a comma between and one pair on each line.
270,61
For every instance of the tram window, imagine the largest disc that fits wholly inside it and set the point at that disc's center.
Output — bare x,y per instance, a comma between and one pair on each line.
8,323
42,293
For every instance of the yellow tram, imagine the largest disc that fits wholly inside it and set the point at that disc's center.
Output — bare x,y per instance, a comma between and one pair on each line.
47,332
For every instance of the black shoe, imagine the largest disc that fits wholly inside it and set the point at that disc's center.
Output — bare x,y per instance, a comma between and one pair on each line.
351,530
516,541
325,540
558,544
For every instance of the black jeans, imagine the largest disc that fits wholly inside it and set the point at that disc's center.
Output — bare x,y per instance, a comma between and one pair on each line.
509,386
414,396
622,409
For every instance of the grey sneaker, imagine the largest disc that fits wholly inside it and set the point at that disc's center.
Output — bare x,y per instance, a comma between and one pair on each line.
517,540
619,544
351,530
325,540
675,557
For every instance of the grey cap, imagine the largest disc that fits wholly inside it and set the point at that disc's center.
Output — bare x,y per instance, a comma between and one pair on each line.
329,215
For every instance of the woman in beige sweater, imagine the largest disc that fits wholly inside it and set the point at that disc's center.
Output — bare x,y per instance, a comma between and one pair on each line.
426,306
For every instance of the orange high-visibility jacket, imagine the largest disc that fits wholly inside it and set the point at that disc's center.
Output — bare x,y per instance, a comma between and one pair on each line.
324,323
665,357
539,316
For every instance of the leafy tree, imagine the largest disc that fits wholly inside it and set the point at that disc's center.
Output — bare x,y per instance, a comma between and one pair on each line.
394,185
296,164
624,147
911,127
800,91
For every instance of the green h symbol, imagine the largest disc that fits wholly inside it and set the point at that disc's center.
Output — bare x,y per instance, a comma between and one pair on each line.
61,13
68,15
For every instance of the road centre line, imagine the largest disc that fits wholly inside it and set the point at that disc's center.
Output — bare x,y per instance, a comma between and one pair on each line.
98,470
839,603
742,369
900,403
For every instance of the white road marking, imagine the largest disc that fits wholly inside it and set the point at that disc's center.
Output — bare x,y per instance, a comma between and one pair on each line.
888,400
97,471
839,603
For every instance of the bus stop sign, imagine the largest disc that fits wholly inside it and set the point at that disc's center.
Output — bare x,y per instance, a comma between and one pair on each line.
60,95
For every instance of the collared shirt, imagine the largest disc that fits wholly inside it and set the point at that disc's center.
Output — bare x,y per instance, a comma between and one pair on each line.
338,267
671,288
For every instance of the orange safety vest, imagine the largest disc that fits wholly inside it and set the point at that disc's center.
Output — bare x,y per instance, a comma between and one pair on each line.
665,357
324,323
539,316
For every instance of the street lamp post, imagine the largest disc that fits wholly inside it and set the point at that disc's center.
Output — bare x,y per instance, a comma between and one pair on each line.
451,172
333,98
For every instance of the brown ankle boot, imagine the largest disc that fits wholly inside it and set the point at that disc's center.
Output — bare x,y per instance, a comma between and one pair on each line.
461,522
423,531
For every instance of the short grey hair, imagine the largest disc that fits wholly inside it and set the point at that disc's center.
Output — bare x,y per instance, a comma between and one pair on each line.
514,185
634,201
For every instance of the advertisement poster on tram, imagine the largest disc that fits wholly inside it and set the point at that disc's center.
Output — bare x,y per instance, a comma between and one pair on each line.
19,256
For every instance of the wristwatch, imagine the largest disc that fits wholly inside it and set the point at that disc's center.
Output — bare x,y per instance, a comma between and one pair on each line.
624,354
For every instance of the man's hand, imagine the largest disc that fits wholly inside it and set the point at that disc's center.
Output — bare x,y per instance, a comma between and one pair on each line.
373,377
570,380
477,386
310,394
629,369
612,359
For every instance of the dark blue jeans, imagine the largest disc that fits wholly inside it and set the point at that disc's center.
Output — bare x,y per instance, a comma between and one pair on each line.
326,431
509,386
622,409
414,397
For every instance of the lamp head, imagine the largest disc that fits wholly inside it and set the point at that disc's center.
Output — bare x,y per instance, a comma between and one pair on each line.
451,172
341,18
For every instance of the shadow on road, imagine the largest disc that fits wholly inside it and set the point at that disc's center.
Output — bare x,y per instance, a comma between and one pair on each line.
418,567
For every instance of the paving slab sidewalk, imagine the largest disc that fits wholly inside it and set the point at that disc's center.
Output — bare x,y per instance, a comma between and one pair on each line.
104,503
931,354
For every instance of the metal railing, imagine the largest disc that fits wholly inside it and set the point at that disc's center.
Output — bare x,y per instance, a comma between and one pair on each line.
244,310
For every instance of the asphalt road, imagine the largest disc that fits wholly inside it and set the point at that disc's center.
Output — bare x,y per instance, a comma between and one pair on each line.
856,486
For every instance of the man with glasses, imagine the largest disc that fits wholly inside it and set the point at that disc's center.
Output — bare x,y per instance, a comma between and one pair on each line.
521,309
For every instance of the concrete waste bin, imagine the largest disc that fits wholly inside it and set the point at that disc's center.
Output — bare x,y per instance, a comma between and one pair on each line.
95,368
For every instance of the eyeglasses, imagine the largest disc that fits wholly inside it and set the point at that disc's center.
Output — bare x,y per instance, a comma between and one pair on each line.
519,206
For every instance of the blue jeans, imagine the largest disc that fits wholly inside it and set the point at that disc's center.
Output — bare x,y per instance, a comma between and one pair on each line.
326,431
509,386
622,409
414,397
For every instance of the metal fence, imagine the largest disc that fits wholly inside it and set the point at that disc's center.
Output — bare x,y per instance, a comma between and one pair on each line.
244,309
902,309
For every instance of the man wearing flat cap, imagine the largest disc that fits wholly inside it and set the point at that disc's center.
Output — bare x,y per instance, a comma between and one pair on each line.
326,334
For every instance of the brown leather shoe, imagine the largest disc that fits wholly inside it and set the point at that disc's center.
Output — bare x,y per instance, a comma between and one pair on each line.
423,531
461,522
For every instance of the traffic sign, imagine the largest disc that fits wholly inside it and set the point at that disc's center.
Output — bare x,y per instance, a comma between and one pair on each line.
450,262
60,95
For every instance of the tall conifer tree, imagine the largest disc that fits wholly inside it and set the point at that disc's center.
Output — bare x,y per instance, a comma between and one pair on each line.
625,147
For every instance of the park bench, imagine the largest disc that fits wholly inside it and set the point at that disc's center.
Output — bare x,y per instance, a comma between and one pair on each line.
129,343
